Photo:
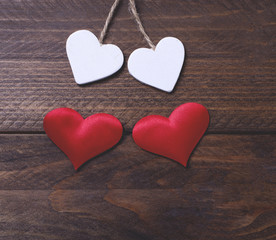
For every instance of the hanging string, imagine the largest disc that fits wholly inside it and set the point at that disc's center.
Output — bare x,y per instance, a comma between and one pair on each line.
108,20
133,10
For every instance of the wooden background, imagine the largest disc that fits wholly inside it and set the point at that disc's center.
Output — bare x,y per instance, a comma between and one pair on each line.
227,191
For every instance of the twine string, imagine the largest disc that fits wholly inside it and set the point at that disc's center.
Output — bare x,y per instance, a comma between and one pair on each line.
108,20
133,10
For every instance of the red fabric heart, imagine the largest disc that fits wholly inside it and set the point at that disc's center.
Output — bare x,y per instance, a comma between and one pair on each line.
174,137
82,139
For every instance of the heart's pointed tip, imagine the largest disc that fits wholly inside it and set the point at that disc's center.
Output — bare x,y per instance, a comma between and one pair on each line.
184,165
170,90
85,81
80,81
77,167
183,160
77,163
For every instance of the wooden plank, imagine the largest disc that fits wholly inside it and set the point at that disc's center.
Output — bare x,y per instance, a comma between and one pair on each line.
230,65
137,214
227,192
34,162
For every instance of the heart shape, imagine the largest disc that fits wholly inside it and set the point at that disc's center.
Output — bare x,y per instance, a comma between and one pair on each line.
90,61
159,68
174,137
82,139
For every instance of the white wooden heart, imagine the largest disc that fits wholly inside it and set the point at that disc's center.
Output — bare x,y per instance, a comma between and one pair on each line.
90,61
159,68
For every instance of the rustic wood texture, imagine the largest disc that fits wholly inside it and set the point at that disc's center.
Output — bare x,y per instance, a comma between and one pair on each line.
230,64
228,189
227,192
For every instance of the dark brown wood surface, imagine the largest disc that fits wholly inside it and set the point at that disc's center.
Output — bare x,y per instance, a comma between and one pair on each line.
228,189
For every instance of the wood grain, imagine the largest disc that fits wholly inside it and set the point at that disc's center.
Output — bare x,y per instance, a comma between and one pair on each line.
230,64
227,192
34,162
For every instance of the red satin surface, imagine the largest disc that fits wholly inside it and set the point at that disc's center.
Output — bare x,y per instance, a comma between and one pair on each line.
174,137
82,139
